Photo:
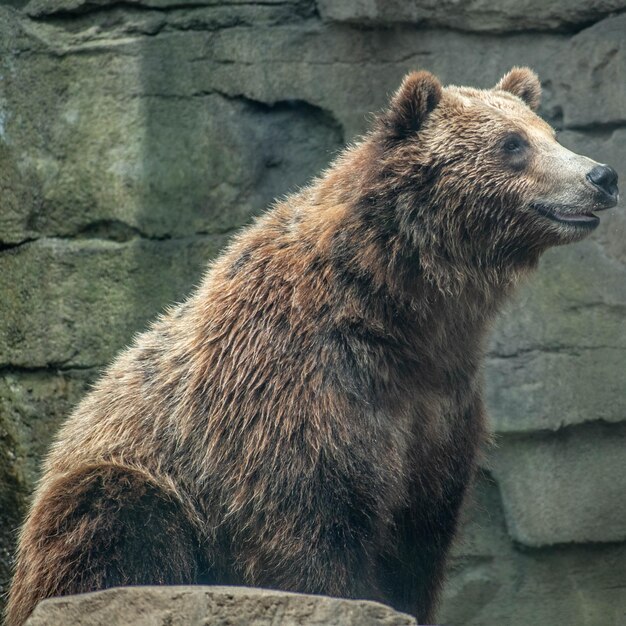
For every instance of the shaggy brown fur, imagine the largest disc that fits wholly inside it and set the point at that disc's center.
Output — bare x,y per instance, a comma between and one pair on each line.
309,419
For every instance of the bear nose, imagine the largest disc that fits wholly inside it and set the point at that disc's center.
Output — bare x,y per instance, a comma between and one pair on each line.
605,178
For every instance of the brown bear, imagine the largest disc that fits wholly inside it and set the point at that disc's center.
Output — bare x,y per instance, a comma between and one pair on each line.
310,418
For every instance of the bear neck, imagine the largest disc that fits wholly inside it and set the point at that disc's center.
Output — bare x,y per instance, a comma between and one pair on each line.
384,234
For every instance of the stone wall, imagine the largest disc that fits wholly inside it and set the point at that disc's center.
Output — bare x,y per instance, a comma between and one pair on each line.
135,136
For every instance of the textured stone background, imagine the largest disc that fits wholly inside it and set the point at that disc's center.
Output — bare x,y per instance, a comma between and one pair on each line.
135,136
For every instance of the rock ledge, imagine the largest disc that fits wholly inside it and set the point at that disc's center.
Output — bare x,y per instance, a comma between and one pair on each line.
218,606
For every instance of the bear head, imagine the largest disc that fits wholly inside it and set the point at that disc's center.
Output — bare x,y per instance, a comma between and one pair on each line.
479,178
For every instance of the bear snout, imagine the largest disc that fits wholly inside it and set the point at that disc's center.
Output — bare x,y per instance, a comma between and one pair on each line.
604,179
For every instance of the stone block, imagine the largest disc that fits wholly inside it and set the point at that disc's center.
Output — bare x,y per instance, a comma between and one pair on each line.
77,303
564,488
83,151
491,580
558,354
196,606
548,388
590,75
473,15
574,585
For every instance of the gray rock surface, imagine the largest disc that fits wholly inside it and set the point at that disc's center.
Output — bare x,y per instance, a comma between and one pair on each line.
118,287
474,15
558,355
593,87
565,488
218,606
493,581
116,148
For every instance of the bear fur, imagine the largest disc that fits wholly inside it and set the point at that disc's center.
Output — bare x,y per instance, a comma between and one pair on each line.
311,417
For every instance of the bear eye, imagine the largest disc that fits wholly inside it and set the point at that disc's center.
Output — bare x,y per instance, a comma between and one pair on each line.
513,144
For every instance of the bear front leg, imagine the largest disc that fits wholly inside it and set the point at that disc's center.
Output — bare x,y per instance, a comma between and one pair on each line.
308,535
413,575
413,572
101,526
324,563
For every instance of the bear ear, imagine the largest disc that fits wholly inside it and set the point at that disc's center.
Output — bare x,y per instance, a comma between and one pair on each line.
417,96
523,83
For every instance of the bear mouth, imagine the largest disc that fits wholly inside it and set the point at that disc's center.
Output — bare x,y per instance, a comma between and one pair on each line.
563,215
